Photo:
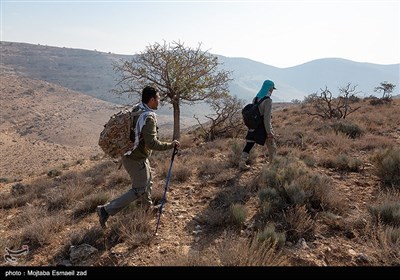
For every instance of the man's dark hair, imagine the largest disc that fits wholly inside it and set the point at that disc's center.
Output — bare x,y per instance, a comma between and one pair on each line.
147,93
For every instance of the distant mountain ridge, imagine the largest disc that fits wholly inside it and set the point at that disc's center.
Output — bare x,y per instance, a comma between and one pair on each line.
91,72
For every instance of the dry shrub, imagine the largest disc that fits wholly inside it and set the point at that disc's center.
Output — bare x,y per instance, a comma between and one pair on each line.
89,204
387,163
334,143
291,137
132,226
54,173
118,178
28,215
270,236
348,128
182,168
163,168
30,194
208,168
97,174
290,178
181,171
187,141
157,192
236,149
235,153
308,159
299,224
238,214
382,232
321,194
384,242
282,171
252,252
62,197
388,212
41,231
270,201
229,196
379,119
387,208
342,162
389,244
226,178
372,142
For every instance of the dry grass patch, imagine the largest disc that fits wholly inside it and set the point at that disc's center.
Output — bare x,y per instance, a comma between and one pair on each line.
238,214
89,203
132,226
208,168
181,171
387,208
299,224
270,236
252,252
40,232
334,143
118,178
373,142
342,162
384,242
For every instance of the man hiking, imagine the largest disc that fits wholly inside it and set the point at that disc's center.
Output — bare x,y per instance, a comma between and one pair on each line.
136,161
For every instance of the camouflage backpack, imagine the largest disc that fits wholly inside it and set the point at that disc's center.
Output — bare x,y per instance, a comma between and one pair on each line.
115,138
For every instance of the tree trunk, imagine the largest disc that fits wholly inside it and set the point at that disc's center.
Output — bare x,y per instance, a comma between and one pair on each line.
177,124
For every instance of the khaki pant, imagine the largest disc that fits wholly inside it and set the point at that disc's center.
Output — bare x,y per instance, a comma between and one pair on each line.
271,146
141,178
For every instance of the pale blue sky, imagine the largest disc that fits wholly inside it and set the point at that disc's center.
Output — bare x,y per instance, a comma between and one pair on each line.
278,33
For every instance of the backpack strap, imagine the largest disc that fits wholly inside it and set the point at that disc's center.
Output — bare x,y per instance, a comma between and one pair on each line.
261,100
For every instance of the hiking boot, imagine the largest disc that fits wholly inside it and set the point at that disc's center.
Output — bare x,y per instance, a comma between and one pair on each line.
243,162
103,216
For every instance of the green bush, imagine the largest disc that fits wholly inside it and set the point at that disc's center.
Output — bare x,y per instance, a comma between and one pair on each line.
388,212
387,163
270,235
350,129
238,213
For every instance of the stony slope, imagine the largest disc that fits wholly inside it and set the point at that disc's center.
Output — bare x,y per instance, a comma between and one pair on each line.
44,126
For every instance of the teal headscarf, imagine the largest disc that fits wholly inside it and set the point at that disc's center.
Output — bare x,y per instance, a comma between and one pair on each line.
264,91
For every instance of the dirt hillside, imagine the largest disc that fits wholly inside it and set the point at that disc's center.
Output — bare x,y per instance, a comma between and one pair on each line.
45,127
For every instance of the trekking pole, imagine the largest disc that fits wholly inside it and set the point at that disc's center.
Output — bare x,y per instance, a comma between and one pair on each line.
166,186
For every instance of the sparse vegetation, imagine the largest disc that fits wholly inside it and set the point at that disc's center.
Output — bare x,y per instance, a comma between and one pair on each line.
324,105
325,185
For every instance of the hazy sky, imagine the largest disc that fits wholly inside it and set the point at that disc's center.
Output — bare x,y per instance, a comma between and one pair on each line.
278,33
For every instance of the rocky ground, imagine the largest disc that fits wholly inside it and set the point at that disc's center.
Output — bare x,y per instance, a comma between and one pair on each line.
51,136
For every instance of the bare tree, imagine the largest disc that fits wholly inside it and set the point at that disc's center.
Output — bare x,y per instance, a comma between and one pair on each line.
325,106
226,121
386,88
343,106
182,74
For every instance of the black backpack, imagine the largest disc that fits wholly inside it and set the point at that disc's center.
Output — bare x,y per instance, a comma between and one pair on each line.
251,115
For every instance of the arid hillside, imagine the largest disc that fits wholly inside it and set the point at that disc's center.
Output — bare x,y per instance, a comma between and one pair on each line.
330,198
